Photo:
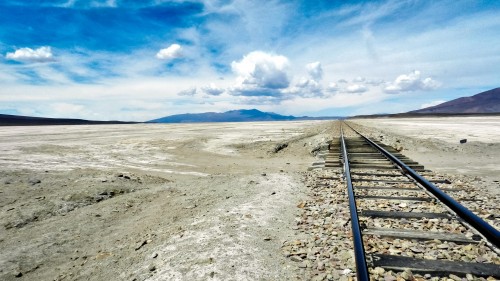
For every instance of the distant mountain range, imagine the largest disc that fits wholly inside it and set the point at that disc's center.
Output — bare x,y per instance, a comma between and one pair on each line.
485,102
242,115
16,120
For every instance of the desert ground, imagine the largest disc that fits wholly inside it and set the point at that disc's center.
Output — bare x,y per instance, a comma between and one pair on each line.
152,201
216,201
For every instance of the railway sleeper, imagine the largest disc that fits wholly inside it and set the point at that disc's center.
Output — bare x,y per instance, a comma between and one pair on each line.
368,161
384,181
434,267
421,235
397,198
401,215
376,174
372,166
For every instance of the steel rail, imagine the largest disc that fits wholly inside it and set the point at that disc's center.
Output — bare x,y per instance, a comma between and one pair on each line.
488,231
359,250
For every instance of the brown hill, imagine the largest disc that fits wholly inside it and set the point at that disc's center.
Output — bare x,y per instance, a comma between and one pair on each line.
485,102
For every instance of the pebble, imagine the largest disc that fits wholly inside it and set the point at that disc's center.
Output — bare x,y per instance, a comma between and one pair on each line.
34,181
142,243
346,271
389,277
320,266
17,273
152,267
406,275
378,270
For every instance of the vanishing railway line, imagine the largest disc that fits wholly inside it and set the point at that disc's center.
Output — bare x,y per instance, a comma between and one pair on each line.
401,220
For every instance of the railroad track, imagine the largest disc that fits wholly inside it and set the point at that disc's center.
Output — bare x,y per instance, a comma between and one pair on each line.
402,222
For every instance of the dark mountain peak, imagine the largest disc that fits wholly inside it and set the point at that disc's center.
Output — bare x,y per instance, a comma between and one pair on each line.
244,111
484,102
240,115
253,110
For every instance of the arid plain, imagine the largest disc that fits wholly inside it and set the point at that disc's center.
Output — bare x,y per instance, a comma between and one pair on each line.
189,201
435,142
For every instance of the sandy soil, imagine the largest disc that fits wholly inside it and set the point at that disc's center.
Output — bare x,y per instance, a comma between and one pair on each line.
152,202
435,143
200,201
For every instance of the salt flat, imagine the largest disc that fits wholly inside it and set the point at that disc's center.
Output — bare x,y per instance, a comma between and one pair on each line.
448,129
435,143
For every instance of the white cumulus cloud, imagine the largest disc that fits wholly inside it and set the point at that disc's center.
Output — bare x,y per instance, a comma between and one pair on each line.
411,82
310,86
42,54
188,92
356,88
212,90
261,71
172,52
307,88
260,76
332,87
315,71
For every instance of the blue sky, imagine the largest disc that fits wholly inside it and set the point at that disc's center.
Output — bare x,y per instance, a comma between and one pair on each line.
140,60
